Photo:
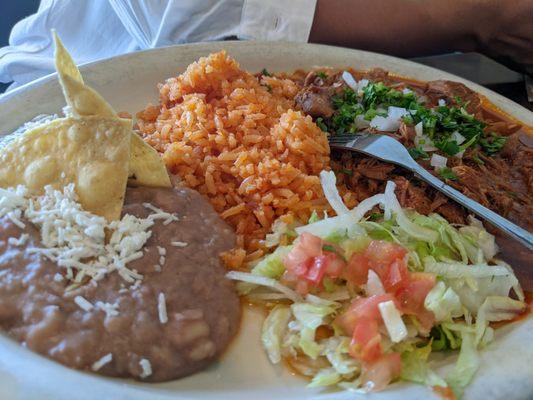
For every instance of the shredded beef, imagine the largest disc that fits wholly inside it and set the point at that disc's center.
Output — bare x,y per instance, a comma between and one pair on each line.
450,91
315,97
502,182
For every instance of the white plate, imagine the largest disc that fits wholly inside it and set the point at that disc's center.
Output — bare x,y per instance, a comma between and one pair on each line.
129,83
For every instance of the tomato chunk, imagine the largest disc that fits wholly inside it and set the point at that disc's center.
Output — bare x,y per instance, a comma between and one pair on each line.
378,374
362,308
366,340
411,297
299,258
356,271
382,253
317,270
396,277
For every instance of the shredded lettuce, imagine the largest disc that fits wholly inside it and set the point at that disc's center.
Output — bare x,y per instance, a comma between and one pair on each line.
336,351
356,245
415,367
329,181
263,281
325,377
474,283
466,366
310,317
393,207
274,328
496,308
443,302
477,235
472,290
272,265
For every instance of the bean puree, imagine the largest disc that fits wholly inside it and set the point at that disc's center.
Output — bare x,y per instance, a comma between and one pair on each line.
202,306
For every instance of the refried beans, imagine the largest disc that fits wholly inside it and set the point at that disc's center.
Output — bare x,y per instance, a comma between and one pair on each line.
123,334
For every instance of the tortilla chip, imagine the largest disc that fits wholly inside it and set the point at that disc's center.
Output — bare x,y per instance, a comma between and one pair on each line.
91,152
146,166
83,100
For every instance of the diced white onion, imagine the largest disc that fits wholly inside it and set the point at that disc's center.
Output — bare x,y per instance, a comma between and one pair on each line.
442,102
438,161
373,284
419,129
459,139
350,81
393,321
391,122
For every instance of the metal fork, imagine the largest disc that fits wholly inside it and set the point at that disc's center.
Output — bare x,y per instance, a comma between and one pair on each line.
388,149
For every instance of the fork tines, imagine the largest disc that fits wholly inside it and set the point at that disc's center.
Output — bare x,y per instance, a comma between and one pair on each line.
341,139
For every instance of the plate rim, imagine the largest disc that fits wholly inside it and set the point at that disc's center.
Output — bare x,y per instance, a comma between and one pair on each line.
507,105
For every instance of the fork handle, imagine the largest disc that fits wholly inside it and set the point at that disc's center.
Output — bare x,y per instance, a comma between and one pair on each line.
498,221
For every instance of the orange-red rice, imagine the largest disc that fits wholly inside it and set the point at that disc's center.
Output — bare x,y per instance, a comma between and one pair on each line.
238,140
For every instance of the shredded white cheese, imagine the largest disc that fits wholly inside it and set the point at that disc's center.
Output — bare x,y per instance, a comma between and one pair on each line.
102,361
12,202
162,308
18,242
146,368
162,251
160,214
83,303
110,310
76,239
179,244
58,277
162,260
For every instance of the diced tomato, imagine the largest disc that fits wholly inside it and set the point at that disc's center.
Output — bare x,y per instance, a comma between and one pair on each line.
317,269
366,340
411,297
362,307
378,374
396,277
299,259
356,271
382,253
310,244
335,266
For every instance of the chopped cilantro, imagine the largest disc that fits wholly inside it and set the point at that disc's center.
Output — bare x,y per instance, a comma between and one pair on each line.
447,173
347,108
334,250
477,160
347,171
321,124
268,88
264,72
449,147
417,152
492,143
322,75
440,124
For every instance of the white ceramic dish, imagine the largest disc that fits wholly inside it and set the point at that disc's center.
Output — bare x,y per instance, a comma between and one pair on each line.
129,83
